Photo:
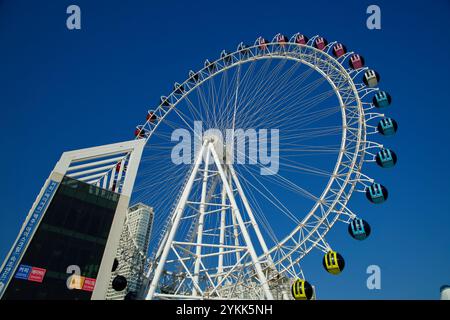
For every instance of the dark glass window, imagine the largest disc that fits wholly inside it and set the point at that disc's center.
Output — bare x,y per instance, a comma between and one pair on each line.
73,231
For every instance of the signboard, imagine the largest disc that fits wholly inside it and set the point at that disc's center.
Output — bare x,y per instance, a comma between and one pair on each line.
23,272
89,284
23,240
81,283
37,274
29,273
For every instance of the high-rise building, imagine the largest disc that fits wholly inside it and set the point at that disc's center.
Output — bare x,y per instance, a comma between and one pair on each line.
132,252
67,244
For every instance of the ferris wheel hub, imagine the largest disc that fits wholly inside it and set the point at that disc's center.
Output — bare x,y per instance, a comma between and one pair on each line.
216,140
212,138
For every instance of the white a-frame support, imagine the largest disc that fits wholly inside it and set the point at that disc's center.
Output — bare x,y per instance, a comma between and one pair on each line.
232,238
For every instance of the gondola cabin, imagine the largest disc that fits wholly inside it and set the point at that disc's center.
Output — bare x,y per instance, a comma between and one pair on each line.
371,78
140,132
151,117
301,39
356,62
193,77
302,290
243,49
211,66
386,158
179,89
262,44
359,229
226,57
387,127
320,43
333,262
376,193
281,40
381,99
164,101
339,50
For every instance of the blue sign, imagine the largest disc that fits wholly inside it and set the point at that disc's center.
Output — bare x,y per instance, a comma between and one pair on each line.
25,236
23,272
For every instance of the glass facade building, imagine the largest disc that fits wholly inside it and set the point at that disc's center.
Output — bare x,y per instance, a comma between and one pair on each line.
72,235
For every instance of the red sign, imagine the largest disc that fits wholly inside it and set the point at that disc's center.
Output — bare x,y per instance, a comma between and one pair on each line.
88,284
37,274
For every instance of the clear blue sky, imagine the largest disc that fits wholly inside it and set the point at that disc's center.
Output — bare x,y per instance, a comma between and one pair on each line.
63,90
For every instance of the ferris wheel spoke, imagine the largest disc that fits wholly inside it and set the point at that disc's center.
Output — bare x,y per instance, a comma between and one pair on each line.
296,110
315,117
258,80
194,110
267,91
286,184
309,133
302,191
215,97
299,119
203,103
265,101
303,169
160,180
299,148
259,213
222,100
269,196
272,97
260,102
301,107
229,89
161,188
263,90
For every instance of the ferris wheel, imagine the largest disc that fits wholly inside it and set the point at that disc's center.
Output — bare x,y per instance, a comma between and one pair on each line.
252,160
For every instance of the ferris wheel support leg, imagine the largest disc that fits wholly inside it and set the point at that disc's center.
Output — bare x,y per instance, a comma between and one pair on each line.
237,214
251,216
233,220
222,233
198,249
173,229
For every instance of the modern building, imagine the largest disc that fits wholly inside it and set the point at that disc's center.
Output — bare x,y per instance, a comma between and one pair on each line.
132,252
67,244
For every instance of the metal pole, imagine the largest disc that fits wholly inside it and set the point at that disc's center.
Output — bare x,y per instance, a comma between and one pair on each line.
222,233
198,249
251,216
233,220
235,211
173,229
